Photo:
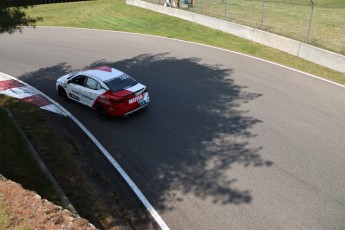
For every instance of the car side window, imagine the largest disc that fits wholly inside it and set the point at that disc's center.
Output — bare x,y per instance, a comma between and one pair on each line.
98,86
92,84
79,80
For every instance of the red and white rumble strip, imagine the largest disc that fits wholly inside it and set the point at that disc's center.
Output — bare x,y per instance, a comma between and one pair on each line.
18,89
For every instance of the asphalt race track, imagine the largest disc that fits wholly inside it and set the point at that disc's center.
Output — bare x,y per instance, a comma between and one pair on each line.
228,142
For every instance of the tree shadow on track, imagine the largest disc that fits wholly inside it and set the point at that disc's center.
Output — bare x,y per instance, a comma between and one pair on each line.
198,132
44,79
190,136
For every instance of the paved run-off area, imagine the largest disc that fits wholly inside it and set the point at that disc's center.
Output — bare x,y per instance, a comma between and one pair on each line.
228,142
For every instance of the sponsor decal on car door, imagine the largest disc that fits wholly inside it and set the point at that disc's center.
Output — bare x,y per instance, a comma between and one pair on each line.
74,92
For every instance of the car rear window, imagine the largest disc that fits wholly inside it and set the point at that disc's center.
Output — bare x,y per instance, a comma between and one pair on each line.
120,82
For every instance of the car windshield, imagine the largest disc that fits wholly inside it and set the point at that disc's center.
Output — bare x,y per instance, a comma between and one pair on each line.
120,82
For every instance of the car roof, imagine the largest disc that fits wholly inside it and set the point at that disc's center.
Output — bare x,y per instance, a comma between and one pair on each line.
103,73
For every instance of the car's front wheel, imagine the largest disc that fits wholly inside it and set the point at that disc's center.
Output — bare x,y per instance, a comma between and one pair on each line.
62,94
102,112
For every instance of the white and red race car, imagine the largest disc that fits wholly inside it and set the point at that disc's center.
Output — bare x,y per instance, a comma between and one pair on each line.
107,90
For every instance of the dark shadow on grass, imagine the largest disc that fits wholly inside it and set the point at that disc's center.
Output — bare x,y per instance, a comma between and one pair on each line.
188,139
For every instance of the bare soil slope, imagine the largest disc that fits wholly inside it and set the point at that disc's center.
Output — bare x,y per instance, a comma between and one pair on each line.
26,208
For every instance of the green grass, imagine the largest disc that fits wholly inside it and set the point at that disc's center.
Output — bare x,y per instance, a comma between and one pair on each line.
116,15
4,215
16,161
5,218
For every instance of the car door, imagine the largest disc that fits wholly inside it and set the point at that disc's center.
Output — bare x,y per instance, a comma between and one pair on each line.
76,89
92,91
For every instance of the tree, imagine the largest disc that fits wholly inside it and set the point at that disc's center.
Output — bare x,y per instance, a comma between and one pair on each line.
13,18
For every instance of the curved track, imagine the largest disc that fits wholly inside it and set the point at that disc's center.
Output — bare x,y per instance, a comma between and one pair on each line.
228,142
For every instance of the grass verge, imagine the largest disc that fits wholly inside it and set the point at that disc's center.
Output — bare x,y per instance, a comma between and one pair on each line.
17,164
16,161
116,15
4,216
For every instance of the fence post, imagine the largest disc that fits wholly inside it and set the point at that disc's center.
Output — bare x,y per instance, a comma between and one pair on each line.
201,6
262,13
311,19
225,9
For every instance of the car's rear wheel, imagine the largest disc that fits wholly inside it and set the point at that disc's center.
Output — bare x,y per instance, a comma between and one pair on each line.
62,94
102,112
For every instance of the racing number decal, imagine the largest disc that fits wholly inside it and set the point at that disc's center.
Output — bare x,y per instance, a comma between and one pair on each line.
73,97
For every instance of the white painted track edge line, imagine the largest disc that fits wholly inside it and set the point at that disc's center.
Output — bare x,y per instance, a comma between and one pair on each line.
210,46
116,165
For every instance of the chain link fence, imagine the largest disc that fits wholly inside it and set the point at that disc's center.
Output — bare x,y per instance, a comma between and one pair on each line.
319,23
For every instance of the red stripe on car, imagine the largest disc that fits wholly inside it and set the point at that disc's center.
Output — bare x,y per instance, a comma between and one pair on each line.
103,68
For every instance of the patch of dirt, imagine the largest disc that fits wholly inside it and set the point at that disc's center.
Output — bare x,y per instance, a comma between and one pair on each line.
26,208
